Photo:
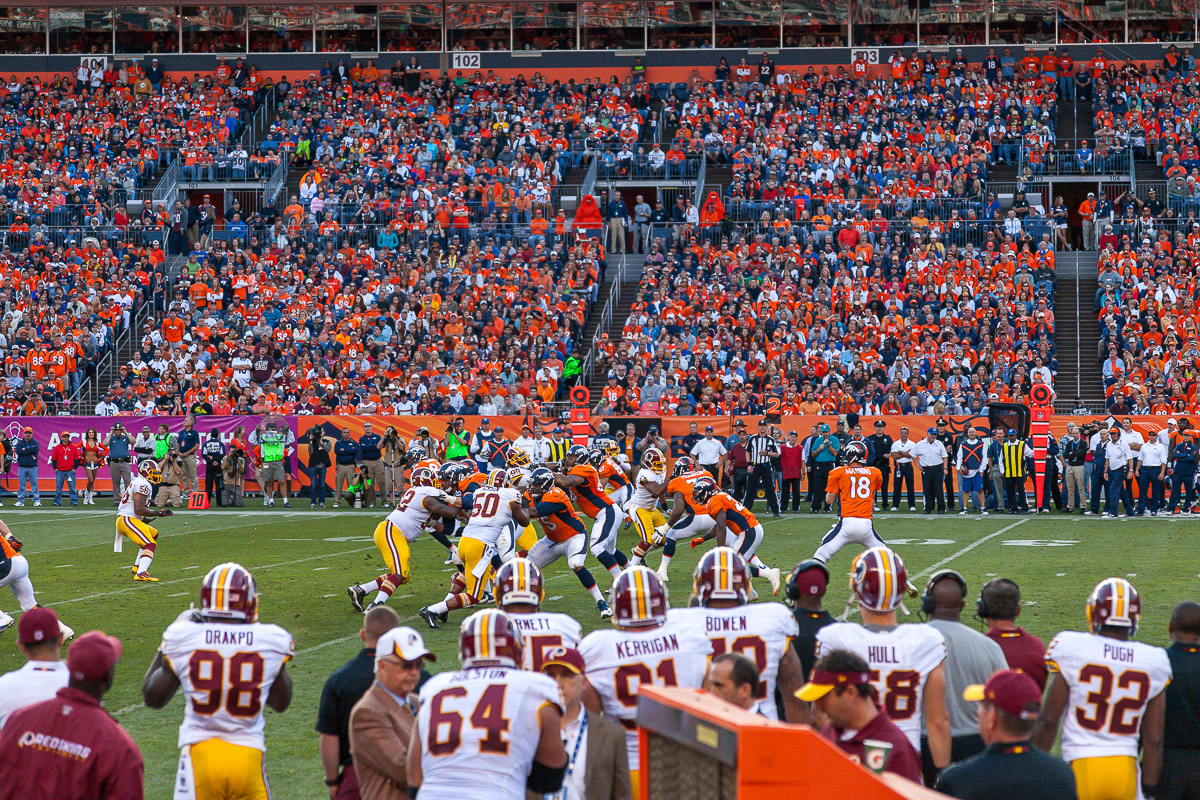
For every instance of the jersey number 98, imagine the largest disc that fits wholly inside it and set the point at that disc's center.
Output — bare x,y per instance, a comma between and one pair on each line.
241,688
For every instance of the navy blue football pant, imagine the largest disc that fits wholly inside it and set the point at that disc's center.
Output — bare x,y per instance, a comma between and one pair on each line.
1183,482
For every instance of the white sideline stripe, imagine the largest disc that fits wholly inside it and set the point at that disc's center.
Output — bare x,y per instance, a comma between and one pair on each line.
930,570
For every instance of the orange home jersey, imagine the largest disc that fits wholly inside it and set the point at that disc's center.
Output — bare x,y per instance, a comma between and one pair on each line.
613,474
7,551
472,482
683,485
738,518
592,499
856,487
428,463
558,517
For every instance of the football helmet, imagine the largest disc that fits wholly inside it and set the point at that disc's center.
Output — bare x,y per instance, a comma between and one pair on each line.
423,476
450,473
1114,602
149,470
703,490
879,579
721,575
653,459
519,581
228,592
541,481
855,452
518,458
639,599
610,448
683,465
489,638
596,457
415,454
498,478
576,454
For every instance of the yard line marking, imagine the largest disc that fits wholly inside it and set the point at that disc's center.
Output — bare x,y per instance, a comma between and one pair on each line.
64,566
179,594
930,570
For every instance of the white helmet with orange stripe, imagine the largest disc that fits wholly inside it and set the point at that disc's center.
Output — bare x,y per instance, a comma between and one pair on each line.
879,579
1114,603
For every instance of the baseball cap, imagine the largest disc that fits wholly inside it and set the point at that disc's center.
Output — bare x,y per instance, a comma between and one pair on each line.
1012,431
566,657
92,655
485,421
1009,690
404,642
27,429
824,427
823,682
880,423
1172,421
38,624
811,581
932,430
708,428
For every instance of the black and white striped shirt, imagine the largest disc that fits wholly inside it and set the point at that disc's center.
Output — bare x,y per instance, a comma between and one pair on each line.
760,448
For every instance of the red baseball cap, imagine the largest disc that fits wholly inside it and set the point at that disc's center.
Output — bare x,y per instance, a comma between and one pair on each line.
566,657
1009,690
37,625
92,655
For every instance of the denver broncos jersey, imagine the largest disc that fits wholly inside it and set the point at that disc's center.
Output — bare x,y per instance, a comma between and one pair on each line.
642,497
738,518
612,473
683,485
592,499
1111,682
226,671
856,487
619,662
558,517
489,759
901,659
543,631
491,513
471,483
762,633
410,514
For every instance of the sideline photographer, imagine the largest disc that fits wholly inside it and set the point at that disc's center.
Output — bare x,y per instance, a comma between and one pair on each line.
171,467
393,457
318,465
213,452
233,477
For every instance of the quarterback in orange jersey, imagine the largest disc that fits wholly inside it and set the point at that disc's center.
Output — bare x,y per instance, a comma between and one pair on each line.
583,480
854,484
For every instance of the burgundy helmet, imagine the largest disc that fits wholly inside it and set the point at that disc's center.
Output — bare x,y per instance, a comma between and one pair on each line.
639,599
721,575
228,592
423,476
489,638
879,579
519,581
1114,602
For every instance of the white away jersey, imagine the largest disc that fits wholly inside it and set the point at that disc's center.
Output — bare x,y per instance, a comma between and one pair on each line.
619,662
1111,682
138,485
642,498
901,659
761,632
479,731
490,513
543,631
226,670
410,514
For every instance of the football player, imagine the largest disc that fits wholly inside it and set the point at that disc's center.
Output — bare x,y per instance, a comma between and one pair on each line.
132,513
518,474
907,661
1111,689
565,535
733,526
490,729
688,518
414,513
854,484
229,666
492,509
14,573
612,472
649,521
583,480
520,590
762,632
647,645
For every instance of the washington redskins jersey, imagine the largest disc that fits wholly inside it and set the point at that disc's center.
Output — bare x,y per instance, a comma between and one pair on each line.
762,633
226,670
523,481
544,631
491,752
642,498
138,485
410,514
620,661
1111,682
683,484
490,513
901,659
856,487
592,499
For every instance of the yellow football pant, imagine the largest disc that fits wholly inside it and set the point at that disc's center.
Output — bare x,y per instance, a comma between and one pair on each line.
646,520
137,531
394,549
222,771
527,539
476,570
635,778
1106,778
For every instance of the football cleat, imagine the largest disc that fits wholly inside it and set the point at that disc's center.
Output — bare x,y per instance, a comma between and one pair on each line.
429,617
145,576
6,621
605,611
772,576
357,595
68,633
661,574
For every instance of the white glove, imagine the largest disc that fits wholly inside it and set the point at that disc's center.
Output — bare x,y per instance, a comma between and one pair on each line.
454,556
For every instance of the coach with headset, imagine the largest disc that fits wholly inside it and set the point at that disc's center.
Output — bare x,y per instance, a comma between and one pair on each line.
971,658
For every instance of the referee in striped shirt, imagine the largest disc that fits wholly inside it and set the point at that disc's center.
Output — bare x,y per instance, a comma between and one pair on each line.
759,449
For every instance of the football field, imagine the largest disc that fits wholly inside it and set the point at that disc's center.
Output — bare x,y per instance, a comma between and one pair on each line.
304,560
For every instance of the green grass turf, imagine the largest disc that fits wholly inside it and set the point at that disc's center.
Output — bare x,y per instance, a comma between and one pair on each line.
303,562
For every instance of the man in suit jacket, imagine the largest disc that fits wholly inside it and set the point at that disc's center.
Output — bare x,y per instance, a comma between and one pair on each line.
381,722
598,765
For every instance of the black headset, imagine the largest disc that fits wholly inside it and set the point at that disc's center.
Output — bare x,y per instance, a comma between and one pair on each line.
791,590
981,607
927,601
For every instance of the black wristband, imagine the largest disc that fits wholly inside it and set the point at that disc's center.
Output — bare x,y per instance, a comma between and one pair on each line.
334,781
